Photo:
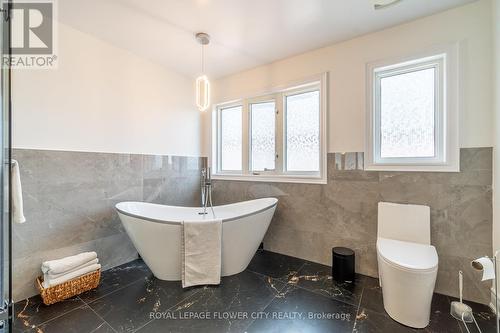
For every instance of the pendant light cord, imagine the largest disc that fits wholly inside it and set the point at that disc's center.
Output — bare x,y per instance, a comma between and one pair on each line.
202,59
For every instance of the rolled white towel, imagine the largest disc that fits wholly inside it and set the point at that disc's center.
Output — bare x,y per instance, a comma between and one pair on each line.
50,276
70,276
17,194
65,265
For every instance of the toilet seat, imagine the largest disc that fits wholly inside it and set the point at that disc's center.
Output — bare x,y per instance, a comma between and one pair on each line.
408,256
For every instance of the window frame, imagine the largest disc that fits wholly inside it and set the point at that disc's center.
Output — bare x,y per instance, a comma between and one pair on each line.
219,135
261,100
317,82
293,92
444,60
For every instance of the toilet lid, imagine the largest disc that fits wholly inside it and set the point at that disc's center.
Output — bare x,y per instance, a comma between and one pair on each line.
407,255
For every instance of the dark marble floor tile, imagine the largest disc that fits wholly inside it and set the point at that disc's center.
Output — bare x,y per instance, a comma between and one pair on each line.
104,328
372,298
275,265
317,278
372,306
32,312
229,307
80,320
131,307
441,319
130,299
116,278
368,321
299,310
484,316
250,281
17,329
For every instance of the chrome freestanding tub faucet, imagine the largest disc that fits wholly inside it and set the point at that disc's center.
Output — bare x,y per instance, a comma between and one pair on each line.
206,190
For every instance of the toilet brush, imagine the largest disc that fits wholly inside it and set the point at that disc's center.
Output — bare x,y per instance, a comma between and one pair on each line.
459,310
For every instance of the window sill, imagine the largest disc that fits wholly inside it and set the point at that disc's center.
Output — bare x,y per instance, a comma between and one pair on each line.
272,178
412,168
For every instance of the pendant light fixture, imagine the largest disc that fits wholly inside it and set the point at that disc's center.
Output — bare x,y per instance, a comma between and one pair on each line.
202,83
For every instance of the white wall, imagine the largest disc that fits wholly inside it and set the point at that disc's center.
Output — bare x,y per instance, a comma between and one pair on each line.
105,99
346,63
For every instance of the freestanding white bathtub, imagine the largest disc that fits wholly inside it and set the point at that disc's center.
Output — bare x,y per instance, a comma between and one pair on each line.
155,231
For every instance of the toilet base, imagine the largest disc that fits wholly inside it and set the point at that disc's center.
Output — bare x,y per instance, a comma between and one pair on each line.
407,295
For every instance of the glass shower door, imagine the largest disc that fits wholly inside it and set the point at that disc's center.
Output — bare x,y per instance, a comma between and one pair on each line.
5,169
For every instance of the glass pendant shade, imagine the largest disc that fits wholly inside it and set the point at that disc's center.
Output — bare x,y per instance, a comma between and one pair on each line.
202,83
202,93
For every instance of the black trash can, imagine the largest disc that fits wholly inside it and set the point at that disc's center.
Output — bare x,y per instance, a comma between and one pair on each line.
342,264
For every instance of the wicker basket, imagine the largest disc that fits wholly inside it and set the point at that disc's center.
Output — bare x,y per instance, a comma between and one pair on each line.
68,289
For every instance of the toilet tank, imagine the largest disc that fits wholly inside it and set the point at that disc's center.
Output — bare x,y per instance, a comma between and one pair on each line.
410,223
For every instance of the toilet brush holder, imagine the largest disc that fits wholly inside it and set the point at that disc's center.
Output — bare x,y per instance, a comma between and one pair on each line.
464,313
459,310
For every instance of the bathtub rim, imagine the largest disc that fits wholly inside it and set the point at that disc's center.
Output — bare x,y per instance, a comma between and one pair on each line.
149,219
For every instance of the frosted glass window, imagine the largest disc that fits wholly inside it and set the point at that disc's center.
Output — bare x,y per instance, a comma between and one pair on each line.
231,138
275,137
302,132
407,114
263,136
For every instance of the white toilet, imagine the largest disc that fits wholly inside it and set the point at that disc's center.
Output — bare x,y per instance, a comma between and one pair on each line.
407,263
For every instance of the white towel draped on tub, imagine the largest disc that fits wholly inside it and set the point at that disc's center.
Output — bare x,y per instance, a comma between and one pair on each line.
17,194
201,252
67,264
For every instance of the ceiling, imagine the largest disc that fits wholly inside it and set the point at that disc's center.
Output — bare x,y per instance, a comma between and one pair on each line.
245,33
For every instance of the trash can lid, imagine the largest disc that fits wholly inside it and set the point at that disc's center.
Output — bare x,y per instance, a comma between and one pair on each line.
342,251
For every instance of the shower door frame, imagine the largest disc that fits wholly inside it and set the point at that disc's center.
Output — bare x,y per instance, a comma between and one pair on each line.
6,304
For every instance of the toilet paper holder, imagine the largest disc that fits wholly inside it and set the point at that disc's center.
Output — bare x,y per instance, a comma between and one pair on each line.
488,266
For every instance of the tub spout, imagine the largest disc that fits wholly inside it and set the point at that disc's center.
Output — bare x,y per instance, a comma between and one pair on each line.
206,191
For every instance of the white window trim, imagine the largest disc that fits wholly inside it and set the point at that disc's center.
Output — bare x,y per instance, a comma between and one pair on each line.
256,100
447,157
218,134
269,176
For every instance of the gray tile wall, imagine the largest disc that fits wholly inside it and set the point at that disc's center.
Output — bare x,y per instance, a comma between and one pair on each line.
69,200
311,219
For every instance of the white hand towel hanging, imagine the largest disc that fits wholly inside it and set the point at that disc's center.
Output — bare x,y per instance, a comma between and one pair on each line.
201,251
17,194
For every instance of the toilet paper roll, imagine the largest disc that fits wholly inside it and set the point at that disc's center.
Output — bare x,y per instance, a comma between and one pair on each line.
485,265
